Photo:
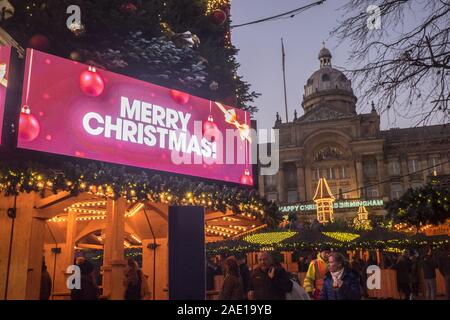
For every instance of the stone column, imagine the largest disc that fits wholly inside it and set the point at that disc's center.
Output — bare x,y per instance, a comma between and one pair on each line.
360,177
404,172
424,165
308,183
281,185
381,176
300,181
114,262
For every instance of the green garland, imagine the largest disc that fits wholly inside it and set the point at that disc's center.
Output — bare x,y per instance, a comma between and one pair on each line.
115,181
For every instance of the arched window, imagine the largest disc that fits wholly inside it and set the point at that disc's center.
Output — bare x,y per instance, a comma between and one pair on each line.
310,82
325,77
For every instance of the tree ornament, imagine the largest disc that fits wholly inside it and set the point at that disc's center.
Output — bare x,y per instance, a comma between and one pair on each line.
246,178
29,127
179,96
39,42
210,129
214,86
219,17
91,83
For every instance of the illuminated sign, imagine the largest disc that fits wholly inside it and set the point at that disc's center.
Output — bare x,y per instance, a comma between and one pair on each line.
5,54
336,205
73,109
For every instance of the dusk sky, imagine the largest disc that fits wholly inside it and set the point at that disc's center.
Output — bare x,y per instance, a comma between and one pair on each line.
260,53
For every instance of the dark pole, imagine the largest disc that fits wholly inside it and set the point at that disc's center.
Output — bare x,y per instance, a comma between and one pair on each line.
154,253
284,79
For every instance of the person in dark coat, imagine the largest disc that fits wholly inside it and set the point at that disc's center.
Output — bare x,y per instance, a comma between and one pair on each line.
46,283
269,281
303,264
341,282
415,275
89,289
403,268
245,274
444,267
232,288
429,266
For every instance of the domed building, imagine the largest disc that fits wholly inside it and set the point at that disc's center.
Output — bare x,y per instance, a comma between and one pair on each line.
362,164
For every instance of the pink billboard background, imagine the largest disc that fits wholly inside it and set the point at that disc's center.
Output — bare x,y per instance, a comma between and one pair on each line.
72,109
5,55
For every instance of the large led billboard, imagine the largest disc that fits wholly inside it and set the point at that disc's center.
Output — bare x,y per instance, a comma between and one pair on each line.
73,109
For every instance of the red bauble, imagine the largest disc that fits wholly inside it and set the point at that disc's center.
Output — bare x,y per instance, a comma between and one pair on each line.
180,97
29,127
219,16
91,83
39,42
246,178
128,7
210,129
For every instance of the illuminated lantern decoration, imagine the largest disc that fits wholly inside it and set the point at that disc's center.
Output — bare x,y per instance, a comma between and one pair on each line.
29,127
179,96
91,83
363,215
324,200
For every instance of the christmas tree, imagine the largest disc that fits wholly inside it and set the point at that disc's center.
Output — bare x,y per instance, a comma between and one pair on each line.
181,44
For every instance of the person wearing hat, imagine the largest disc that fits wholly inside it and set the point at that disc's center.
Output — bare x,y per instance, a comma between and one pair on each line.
315,275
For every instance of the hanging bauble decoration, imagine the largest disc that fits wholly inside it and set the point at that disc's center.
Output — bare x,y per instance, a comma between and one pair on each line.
39,42
179,96
214,86
246,178
91,83
210,129
29,127
219,16
6,10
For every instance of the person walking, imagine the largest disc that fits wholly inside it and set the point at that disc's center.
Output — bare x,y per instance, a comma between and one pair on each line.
341,282
245,274
269,281
46,283
429,266
316,273
136,287
88,288
415,275
444,267
232,288
403,268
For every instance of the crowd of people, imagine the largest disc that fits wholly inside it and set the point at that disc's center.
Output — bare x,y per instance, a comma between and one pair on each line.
329,276
134,280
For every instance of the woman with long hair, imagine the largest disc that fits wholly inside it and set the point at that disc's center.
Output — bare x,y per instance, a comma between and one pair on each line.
232,288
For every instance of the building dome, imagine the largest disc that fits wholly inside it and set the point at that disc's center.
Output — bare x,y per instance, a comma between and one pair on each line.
327,81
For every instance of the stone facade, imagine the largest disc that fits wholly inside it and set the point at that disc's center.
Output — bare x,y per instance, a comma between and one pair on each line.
359,161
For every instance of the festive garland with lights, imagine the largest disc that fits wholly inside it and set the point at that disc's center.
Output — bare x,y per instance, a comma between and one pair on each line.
316,240
107,180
